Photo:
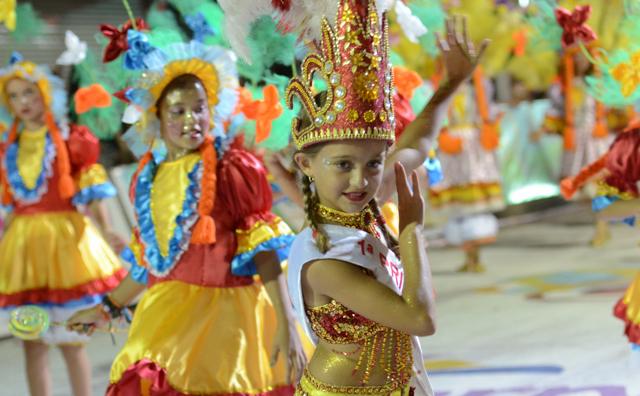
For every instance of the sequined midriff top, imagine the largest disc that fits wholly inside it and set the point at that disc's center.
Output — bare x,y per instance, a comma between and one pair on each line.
378,346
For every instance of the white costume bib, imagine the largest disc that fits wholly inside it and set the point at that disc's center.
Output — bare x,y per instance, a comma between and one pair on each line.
358,248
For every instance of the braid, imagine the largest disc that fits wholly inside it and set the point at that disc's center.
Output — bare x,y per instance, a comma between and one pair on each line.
7,199
392,242
321,238
204,232
66,185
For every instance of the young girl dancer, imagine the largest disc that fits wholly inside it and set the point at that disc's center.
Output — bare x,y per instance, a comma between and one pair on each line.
471,187
204,325
360,304
616,175
51,255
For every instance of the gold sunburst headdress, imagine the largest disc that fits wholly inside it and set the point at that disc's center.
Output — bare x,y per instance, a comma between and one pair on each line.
353,61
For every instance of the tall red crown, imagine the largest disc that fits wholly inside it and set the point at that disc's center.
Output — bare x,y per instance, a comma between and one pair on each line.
353,61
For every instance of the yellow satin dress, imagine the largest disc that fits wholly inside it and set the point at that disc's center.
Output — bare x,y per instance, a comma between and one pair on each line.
50,254
202,327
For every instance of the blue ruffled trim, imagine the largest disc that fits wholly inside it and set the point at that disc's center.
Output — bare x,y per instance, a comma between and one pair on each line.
80,302
138,273
244,265
18,188
160,265
94,193
602,202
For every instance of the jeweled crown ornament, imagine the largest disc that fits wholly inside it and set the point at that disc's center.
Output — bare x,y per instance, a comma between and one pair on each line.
353,60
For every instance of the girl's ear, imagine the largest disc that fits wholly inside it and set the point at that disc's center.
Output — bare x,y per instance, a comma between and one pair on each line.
304,163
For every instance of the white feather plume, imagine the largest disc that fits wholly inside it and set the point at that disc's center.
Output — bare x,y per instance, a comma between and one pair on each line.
303,19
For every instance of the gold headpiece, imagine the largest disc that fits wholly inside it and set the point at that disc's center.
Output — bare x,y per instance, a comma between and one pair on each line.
354,63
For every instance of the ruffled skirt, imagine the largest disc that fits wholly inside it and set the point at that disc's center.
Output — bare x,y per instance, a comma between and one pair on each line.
188,339
628,310
471,181
58,261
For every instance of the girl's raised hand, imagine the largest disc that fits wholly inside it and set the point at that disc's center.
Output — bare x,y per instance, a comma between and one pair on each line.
458,51
410,201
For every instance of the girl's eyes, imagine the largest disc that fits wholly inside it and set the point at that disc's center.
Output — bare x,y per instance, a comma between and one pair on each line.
180,111
343,165
375,164
347,165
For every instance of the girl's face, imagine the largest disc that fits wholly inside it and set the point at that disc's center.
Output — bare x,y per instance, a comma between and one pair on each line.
25,100
184,117
347,174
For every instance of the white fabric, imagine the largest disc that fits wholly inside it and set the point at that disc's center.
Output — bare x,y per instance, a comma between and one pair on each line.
76,51
411,25
358,248
471,228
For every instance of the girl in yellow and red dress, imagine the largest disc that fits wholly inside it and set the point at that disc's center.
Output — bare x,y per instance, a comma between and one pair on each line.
51,255
204,228
616,175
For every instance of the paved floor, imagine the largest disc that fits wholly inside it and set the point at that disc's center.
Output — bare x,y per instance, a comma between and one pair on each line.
537,323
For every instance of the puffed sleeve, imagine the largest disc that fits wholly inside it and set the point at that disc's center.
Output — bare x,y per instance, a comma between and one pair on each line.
623,166
245,190
91,177
132,254
623,162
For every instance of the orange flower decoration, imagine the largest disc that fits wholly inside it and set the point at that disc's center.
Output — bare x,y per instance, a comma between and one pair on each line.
93,96
406,81
264,111
245,98
520,42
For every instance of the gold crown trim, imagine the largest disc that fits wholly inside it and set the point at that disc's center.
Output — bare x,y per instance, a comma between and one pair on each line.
323,135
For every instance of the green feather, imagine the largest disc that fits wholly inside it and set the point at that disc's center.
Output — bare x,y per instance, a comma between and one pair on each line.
395,58
186,7
268,46
606,88
162,37
433,17
547,33
157,18
215,18
103,122
28,24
